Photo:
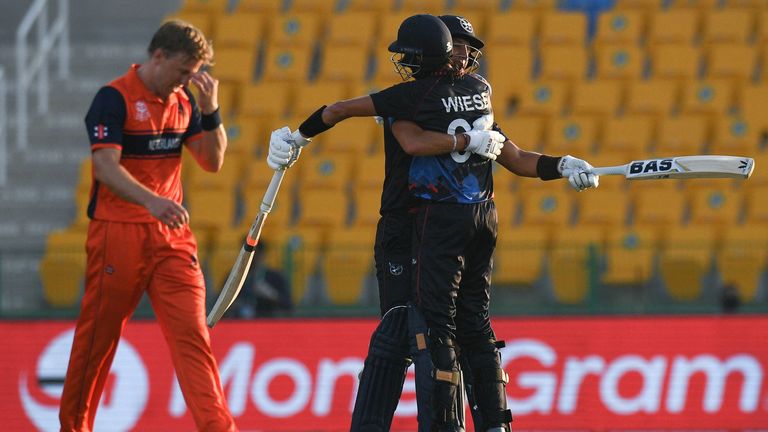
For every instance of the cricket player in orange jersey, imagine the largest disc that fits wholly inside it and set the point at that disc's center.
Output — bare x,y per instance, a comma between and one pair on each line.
138,237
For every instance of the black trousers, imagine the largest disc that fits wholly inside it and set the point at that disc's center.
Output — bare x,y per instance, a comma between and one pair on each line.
393,257
453,246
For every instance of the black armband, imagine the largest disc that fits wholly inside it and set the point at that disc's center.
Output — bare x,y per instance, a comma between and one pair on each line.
210,121
546,167
314,124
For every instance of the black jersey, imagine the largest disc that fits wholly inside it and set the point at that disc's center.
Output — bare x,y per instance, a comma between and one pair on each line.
442,104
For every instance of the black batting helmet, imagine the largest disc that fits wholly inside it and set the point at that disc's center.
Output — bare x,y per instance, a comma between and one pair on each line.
460,27
423,45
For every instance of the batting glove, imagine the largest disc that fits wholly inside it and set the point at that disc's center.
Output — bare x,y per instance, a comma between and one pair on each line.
579,173
486,143
282,153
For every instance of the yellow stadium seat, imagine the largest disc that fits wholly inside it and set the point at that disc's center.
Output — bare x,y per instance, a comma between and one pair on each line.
630,135
658,206
727,26
483,6
311,96
605,209
296,253
234,64
681,135
621,62
673,26
573,263
322,9
367,205
571,135
326,171
200,19
266,7
699,6
546,98
711,97
716,206
380,7
538,6
605,159
736,62
685,260
290,63
294,29
679,62
564,62
623,27
654,97
563,28
753,105
344,63
742,258
384,69
82,199
279,217
197,178
325,209
759,178
505,200
347,263
351,28
245,136
353,136
62,268
762,26
511,28
435,7
211,209
266,98
629,256
735,135
509,69
388,26
519,255
526,131
369,172
551,208
757,205
242,29
596,98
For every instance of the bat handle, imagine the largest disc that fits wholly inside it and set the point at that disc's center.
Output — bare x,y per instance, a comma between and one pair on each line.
611,170
269,196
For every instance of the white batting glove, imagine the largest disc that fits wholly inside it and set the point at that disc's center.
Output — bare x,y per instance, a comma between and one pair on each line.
282,153
578,172
486,143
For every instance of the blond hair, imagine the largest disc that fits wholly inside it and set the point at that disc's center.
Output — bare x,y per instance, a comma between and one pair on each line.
180,37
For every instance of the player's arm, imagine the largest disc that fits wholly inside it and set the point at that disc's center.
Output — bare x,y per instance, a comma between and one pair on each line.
108,171
416,141
519,161
209,150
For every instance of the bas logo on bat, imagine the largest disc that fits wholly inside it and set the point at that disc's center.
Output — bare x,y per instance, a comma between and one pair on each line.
655,165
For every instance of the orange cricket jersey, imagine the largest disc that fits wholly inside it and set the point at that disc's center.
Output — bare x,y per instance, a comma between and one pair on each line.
150,133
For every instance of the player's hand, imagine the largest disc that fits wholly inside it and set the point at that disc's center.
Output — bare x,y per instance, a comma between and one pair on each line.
486,143
209,91
282,151
578,172
168,212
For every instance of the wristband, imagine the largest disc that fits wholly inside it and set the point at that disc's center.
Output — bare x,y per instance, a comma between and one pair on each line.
454,143
314,124
546,167
210,121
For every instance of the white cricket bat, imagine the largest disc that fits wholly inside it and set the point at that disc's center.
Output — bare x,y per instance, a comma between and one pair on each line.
683,167
239,270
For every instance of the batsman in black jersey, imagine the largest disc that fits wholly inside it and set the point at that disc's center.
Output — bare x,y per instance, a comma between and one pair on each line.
429,48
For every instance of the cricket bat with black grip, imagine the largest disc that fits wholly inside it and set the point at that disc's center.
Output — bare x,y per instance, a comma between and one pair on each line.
683,167
239,270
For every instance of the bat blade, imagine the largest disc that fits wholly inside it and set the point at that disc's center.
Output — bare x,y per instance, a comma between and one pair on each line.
683,167
232,286
239,271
